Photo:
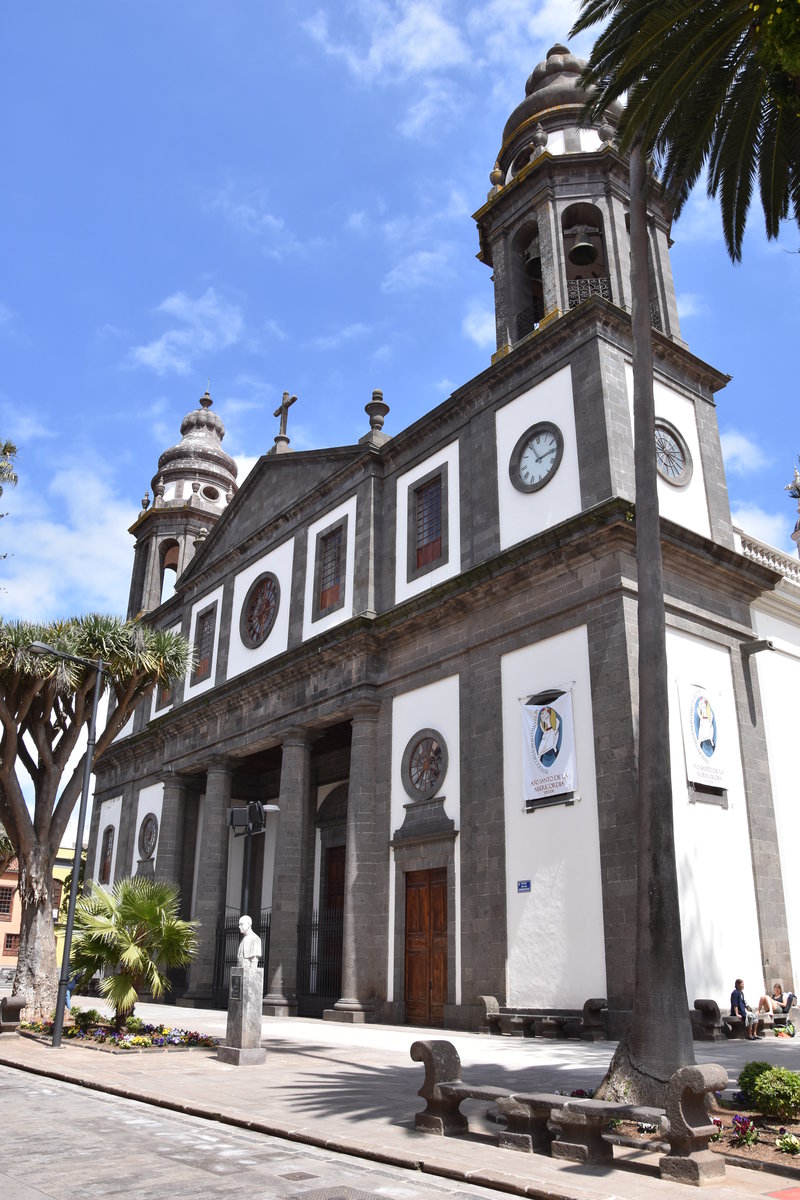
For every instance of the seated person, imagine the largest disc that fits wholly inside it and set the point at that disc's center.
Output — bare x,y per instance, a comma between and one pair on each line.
739,1009
779,1002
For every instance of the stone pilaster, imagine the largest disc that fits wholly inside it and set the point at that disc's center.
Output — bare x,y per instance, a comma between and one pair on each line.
169,856
290,873
362,866
211,878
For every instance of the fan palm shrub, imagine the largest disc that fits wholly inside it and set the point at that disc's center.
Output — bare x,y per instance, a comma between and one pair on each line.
135,935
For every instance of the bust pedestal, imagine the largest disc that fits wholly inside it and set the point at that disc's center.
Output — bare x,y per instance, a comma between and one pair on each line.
243,1032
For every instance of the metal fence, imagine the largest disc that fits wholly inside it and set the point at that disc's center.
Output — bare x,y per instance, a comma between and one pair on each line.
227,948
319,962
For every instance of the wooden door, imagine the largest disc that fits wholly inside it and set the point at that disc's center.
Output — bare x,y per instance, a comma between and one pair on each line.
334,878
426,946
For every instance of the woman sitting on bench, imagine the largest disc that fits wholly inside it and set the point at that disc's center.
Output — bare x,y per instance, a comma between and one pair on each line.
778,1003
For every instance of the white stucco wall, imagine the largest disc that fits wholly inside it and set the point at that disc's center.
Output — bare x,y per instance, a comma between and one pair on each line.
404,587
435,706
199,606
556,949
778,674
241,657
110,813
685,505
712,844
310,627
150,800
523,514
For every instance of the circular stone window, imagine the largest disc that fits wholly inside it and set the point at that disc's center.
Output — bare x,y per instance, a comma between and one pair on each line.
148,836
673,461
259,610
424,764
210,493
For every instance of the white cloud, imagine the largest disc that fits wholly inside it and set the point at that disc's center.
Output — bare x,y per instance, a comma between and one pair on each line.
445,386
773,528
439,98
690,304
742,455
340,336
479,326
5,314
206,324
700,219
420,269
400,39
245,464
69,550
248,214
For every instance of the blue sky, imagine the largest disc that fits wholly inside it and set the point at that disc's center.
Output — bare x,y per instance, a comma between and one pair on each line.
277,196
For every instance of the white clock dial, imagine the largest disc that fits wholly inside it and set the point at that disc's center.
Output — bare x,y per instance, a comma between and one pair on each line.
536,457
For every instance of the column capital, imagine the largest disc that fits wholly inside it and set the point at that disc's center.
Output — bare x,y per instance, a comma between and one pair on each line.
296,735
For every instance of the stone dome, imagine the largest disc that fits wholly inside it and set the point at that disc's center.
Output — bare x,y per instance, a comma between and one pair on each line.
198,456
553,95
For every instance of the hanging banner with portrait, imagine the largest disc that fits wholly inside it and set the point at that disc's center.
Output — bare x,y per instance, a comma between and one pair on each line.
706,747
549,765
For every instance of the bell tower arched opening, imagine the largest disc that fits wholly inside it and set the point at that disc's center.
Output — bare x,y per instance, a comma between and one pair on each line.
585,257
526,280
169,553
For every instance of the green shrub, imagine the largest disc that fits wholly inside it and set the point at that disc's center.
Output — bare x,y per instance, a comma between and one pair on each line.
84,1020
777,1093
747,1079
134,1024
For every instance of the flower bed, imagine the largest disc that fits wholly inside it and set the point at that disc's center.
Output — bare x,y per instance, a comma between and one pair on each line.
144,1037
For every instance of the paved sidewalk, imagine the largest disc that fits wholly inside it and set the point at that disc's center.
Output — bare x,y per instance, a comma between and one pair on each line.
353,1089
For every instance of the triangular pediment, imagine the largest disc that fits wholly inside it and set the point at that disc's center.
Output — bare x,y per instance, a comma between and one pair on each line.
277,486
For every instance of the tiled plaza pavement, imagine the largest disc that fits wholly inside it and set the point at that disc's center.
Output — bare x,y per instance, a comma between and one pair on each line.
353,1090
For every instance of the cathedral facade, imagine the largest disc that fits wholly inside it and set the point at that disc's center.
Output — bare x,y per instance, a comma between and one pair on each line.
415,668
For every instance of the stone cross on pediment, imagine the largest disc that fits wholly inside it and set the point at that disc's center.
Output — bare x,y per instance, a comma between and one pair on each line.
282,411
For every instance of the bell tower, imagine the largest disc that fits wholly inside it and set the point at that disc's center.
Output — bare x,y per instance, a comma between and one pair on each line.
194,483
555,225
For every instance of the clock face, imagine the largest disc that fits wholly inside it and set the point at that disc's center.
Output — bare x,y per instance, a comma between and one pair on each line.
259,610
536,457
424,764
672,455
148,835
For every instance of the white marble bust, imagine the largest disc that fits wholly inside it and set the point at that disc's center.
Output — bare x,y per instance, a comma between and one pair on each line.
250,945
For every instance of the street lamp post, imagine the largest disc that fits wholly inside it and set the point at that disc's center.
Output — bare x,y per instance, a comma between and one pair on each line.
98,665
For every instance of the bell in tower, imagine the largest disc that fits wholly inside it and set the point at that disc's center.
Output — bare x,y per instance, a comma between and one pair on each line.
555,225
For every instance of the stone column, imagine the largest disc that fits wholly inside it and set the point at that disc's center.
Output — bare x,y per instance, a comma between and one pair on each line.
362,864
169,854
290,874
211,878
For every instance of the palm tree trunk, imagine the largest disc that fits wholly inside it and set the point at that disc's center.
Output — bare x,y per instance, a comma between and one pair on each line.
660,1038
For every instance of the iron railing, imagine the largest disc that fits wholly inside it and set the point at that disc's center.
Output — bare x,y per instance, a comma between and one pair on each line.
528,319
319,962
227,948
579,290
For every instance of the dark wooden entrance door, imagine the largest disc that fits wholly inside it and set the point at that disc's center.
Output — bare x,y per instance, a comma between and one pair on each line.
426,946
334,878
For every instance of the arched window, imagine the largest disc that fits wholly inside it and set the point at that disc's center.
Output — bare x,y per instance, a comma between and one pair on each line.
169,552
106,855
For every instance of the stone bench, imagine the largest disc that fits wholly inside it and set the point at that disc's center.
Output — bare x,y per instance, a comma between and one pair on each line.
544,1023
576,1129
10,1013
734,1027
444,1090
